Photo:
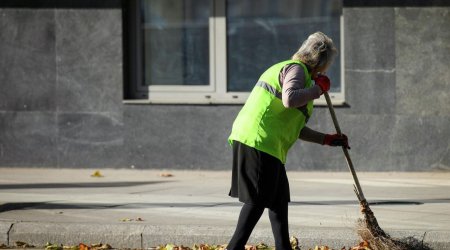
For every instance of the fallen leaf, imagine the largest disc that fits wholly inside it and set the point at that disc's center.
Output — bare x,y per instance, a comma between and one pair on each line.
97,174
70,247
97,246
170,247
126,219
204,247
262,246
294,243
166,175
250,247
222,247
50,246
23,244
322,248
53,247
364,245
107,246
20,243
82,246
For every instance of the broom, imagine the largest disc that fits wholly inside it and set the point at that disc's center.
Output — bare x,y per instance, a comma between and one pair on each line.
369,230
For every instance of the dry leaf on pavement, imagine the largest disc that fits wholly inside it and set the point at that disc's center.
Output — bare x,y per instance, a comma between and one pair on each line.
23,244
128,219
70,248
294,243
97,174
100,246
322,248
50,246
364,245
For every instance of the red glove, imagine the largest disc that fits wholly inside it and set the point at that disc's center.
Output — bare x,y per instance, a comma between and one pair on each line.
336,140
323,82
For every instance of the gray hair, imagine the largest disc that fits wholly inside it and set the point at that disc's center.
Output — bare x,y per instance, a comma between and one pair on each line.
316,51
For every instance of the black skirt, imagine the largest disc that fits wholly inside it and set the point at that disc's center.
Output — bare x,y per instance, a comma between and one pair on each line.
258,178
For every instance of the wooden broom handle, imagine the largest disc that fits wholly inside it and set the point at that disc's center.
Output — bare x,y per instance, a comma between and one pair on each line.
357,186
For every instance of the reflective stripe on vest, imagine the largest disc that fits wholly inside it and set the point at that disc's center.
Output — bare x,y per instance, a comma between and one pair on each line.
278,95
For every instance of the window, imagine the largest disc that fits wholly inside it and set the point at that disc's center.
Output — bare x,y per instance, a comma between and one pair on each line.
176,42
213,51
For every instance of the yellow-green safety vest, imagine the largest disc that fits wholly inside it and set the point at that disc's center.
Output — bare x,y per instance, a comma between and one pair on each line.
264,123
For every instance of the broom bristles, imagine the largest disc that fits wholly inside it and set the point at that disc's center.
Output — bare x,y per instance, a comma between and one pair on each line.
370,231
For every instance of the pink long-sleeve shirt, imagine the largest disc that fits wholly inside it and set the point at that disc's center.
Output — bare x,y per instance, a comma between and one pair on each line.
294,95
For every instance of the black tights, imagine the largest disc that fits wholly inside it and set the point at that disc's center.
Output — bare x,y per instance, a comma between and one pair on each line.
248,218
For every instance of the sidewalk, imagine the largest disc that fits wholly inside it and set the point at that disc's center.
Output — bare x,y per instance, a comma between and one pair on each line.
69,206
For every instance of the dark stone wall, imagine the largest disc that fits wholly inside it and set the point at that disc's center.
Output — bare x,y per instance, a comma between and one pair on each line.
397,83
61,93
61,87
89,87
172,136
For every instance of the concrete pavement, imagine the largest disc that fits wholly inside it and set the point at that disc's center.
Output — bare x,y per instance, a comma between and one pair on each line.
130,208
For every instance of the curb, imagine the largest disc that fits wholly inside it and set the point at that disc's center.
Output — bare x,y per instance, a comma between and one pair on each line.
145,236
5,227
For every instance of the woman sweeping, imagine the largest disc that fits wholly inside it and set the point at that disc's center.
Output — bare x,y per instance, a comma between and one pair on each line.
272,119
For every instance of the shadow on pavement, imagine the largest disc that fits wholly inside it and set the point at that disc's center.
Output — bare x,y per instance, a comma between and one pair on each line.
46,205
79,185
50,205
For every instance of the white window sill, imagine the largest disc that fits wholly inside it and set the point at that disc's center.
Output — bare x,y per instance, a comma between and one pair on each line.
213,98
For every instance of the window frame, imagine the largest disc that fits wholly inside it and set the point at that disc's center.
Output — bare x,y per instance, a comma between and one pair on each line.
216,91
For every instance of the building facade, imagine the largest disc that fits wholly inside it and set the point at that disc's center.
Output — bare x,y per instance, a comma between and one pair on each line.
157,84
